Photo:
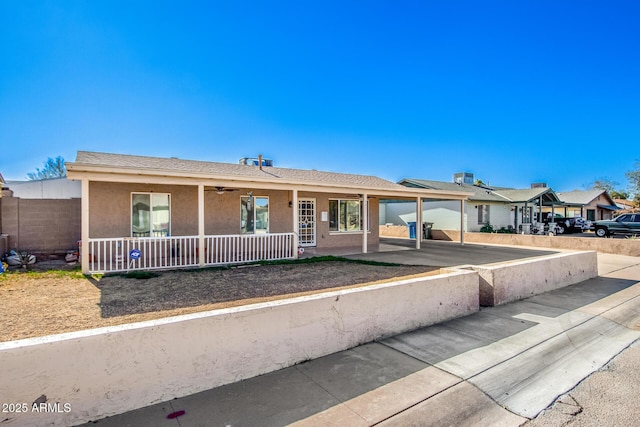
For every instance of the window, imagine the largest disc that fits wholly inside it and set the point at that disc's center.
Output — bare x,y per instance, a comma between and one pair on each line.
254,215
483,214
591,214
150,214
344,215
624,218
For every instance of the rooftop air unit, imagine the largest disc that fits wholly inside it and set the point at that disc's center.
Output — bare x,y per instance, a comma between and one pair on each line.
255,161
463,178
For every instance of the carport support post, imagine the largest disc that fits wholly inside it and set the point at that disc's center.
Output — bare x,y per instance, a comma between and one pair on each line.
201,225
462,222
296,225
365,222
84,232
418,221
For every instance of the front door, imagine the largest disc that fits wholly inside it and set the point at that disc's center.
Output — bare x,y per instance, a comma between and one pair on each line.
307,222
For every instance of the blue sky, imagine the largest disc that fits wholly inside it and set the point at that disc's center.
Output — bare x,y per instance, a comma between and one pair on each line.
514,91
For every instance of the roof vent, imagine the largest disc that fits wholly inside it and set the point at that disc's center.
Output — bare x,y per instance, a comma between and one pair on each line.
539,185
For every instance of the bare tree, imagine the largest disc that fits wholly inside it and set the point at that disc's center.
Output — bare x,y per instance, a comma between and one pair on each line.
634,181
603,183
53,168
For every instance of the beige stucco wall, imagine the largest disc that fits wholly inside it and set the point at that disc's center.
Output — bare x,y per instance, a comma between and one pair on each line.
394,231
630,247
327,239
110,208
110,212
503,283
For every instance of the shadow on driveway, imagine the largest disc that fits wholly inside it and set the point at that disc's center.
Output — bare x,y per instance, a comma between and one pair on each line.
447,254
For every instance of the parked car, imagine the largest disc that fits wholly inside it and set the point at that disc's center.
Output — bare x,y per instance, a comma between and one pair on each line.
568,225
624,224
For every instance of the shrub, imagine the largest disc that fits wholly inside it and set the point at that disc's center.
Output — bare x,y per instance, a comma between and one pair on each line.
487,229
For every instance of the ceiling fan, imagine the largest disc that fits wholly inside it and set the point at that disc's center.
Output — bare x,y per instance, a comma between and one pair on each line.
220,190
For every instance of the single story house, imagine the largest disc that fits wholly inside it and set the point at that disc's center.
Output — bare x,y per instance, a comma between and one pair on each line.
142,212
506,208
591,205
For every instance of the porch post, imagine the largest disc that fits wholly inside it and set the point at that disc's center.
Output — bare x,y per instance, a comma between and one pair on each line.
539,216
296,222
418,221
84,233
365,222
201,225
462,221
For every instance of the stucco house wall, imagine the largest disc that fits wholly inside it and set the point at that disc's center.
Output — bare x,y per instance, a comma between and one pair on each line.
500,215
445,215
110,213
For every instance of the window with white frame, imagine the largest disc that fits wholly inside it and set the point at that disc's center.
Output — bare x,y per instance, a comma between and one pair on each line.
150,214
344,215
483,214
254,215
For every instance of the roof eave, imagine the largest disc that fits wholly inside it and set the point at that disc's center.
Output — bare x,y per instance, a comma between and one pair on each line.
149,175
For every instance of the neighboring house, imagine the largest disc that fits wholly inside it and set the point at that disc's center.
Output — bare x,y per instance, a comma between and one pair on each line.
55,188
591,205
148,212
499,207
41,216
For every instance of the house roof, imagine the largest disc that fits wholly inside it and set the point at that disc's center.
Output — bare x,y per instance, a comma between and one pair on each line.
623,203
124,168
578,197
487,194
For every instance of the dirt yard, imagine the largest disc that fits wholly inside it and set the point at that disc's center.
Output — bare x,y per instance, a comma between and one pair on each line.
43,303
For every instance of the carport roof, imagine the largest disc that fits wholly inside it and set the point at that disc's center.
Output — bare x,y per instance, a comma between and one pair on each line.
489,194
477,193
529,195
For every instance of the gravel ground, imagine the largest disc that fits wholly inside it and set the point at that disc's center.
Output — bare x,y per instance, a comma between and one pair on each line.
37,304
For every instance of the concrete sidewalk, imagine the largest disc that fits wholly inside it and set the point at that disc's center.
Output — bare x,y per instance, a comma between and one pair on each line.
500,366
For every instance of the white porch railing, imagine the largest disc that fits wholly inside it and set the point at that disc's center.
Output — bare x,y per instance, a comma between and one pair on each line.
115,254
239,248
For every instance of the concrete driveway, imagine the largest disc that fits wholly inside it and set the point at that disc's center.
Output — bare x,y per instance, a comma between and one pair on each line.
438,253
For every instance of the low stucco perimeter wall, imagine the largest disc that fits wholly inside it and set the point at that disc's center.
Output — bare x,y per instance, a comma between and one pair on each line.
629,247
504,283
387,230
108,371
